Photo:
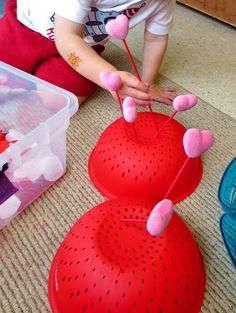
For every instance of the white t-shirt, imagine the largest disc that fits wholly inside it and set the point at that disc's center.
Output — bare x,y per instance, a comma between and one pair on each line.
94,14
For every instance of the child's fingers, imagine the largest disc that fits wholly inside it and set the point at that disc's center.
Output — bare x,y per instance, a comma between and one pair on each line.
138,101
164,95
143,103
169,93
135,93
132,81
169,89
164,100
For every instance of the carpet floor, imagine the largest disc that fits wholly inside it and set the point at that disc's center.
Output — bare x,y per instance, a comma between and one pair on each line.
29,242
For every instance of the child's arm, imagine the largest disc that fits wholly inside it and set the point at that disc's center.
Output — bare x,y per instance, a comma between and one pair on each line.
154,51
72,47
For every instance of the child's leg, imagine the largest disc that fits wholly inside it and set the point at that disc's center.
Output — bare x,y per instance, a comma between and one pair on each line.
19,46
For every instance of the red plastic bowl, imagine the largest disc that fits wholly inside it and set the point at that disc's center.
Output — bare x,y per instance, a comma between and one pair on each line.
120,166
106,265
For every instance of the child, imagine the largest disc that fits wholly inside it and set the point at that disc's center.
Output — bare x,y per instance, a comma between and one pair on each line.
61,42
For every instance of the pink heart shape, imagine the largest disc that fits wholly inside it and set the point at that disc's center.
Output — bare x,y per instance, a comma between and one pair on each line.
197,142
119,27
129,109
110,80
184,102
160,217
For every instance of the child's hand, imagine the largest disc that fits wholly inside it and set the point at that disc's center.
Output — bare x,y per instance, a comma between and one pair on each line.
165,95
133,87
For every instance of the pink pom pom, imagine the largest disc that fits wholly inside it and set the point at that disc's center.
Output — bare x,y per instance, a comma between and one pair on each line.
197,142
119,27
29,171
111,81
129,109
184,102
160,217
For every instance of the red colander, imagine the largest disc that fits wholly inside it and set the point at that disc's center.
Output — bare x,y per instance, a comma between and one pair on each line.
132,160
107,265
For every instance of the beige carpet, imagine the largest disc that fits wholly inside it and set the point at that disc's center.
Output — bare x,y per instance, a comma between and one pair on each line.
28,243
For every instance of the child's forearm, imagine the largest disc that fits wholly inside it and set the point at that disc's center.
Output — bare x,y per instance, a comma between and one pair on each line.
85,60
77,53
153,53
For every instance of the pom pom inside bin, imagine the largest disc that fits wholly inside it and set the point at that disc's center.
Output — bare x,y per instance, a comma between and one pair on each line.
120,166
34,118
108,265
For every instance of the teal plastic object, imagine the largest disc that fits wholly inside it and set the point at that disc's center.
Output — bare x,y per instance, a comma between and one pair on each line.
227,198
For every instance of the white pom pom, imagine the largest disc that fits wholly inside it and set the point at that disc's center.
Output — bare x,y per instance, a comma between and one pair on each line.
51,167
9,207
13,135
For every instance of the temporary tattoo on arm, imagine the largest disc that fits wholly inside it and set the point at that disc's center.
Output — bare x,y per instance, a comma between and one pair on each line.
74,60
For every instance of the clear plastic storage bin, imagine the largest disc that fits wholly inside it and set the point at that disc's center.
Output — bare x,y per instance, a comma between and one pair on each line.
34,117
